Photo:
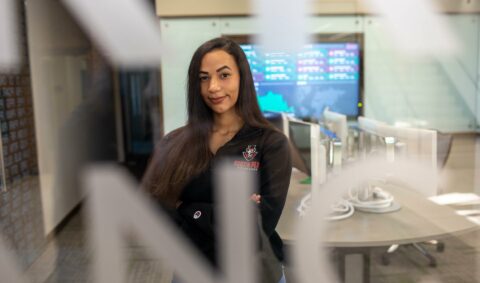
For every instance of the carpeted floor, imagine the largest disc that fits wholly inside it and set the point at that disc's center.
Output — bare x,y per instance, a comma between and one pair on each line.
67,258
459,263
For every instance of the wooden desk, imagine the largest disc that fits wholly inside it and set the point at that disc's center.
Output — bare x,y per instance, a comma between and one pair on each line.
418,220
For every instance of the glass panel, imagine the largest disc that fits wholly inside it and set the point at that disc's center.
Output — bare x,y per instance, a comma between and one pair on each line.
384,190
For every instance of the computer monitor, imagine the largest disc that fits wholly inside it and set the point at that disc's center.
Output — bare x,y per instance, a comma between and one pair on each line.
420,147
337,123
281,122
278,120
370,125
306,138
325,73
372,136
421,144
412,144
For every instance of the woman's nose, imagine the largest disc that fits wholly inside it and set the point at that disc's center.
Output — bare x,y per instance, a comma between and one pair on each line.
214,85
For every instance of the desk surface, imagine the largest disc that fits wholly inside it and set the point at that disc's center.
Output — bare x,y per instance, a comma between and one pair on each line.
418,220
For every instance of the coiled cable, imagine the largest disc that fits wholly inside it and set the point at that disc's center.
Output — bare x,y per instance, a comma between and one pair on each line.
374,199
341,209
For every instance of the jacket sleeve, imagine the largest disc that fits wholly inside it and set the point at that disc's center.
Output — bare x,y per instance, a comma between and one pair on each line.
275,172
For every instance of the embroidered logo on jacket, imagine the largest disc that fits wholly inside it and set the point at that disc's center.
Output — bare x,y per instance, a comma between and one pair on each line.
250,152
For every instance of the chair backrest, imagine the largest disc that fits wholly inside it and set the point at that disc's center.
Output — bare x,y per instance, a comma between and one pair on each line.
275,119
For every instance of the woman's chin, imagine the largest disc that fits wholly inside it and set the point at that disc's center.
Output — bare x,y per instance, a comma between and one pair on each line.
219,110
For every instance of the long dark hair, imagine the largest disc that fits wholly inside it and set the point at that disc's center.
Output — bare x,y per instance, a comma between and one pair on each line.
185,152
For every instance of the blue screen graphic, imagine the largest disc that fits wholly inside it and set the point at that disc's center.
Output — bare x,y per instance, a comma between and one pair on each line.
305,83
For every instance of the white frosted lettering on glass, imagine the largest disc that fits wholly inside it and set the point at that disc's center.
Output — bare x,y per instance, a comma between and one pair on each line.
115,207
416,27
126,30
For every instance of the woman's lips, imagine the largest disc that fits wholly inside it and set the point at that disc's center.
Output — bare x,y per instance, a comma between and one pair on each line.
217,100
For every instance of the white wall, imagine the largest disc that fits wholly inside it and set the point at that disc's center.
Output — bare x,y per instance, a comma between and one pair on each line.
56,48
183,37
428,92
437,93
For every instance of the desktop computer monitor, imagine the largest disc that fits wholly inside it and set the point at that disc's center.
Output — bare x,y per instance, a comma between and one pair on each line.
421,148
421,144
278,120
309,144
418,144
370,125
372,136
305,137
326,73
411,144
337,123
281,122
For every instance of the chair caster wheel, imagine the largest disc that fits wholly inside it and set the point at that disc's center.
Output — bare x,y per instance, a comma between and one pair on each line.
433,261
440,247
385,259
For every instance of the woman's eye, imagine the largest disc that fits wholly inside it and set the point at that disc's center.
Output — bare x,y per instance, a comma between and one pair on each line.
203,78
224,75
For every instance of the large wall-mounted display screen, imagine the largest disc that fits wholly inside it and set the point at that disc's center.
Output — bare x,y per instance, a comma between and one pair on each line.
304,83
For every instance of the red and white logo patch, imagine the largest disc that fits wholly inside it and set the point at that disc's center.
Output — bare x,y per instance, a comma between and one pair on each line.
250,152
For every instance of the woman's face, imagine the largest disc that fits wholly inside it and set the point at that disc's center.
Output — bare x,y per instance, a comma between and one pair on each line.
220,81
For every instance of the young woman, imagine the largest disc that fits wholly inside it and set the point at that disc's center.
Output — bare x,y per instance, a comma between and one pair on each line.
224,121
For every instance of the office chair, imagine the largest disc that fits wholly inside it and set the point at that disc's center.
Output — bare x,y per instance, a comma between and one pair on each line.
444,145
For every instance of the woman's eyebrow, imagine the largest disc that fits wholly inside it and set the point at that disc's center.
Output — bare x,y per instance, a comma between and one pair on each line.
222,68
218,70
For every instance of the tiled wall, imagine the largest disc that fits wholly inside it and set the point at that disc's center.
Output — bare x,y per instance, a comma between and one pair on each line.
17,126
21,220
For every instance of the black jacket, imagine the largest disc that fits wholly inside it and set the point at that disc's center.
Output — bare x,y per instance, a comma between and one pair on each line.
262,151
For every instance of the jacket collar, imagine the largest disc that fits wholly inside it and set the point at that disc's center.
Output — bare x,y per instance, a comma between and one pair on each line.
248,131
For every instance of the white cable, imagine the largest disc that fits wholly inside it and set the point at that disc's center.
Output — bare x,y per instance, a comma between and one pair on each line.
343,208
376,199
302,208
